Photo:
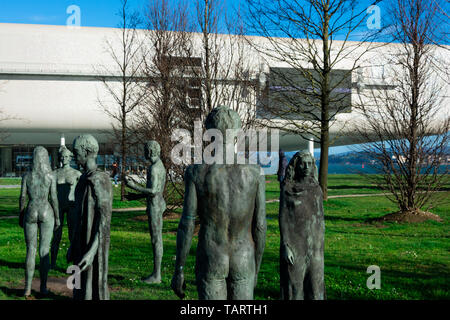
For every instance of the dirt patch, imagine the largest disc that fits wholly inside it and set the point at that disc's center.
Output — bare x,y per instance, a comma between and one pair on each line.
196,230
410,217
140,218
171,215
56,287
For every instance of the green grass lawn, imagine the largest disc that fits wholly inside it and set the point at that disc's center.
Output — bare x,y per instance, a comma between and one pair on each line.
413,258
10,181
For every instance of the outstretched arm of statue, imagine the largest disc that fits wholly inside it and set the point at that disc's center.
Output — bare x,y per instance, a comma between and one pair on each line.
157,184
259,226
184,234
22,201
54,200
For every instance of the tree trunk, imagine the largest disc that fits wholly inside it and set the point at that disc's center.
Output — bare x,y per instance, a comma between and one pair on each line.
325,105
207,64
124,157
323,169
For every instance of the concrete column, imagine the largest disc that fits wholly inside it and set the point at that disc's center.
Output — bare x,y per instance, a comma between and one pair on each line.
311,146
63,140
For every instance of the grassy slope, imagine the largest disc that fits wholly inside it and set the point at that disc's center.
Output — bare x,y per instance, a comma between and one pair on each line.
414,258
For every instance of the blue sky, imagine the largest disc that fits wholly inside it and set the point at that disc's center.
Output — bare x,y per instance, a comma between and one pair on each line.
98,13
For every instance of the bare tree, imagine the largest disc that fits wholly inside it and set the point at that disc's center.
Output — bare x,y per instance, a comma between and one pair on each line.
169,85
3,132
225,75
311,40
126,93
189,74
408,123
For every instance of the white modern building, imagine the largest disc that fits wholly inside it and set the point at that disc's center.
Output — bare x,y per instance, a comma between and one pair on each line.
49,87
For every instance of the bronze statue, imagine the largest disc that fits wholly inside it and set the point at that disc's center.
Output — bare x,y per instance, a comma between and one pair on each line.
89,249
156,180
230,202
302,229
40,214
66,179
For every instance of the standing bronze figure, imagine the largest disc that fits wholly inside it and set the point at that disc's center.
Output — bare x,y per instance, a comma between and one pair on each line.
66,179
156,181
90,245
38,213
230,202
302,230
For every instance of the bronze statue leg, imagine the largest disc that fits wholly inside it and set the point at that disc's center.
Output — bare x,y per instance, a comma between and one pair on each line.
241,289
57,235
31,240
45,237
71,221
317,279
296,275
155,225
241,276
211,289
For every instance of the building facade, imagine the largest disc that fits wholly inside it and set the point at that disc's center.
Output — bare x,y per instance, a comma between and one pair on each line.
50,90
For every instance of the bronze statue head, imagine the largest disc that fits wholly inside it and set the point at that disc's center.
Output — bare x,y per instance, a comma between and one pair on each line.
302,168
152,151
85,147
64,155
223,118
41,161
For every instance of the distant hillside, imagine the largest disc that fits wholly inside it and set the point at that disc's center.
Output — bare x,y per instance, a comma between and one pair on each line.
349,157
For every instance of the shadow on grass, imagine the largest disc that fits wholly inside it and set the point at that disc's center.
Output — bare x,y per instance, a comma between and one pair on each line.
340,218
342,187
18,293
21,265
357,232
14,265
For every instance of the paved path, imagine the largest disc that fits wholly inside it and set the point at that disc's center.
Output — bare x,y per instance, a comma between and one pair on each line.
268,201
12,186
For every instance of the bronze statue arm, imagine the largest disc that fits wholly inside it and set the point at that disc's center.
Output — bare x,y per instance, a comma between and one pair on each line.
184,234
23,194
54,200
283,222
22,200
259,226
103,195
89,256
156,183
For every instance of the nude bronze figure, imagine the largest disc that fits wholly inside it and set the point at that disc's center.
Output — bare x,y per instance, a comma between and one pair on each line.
89,249
39,213
156,181
229,200
66,180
